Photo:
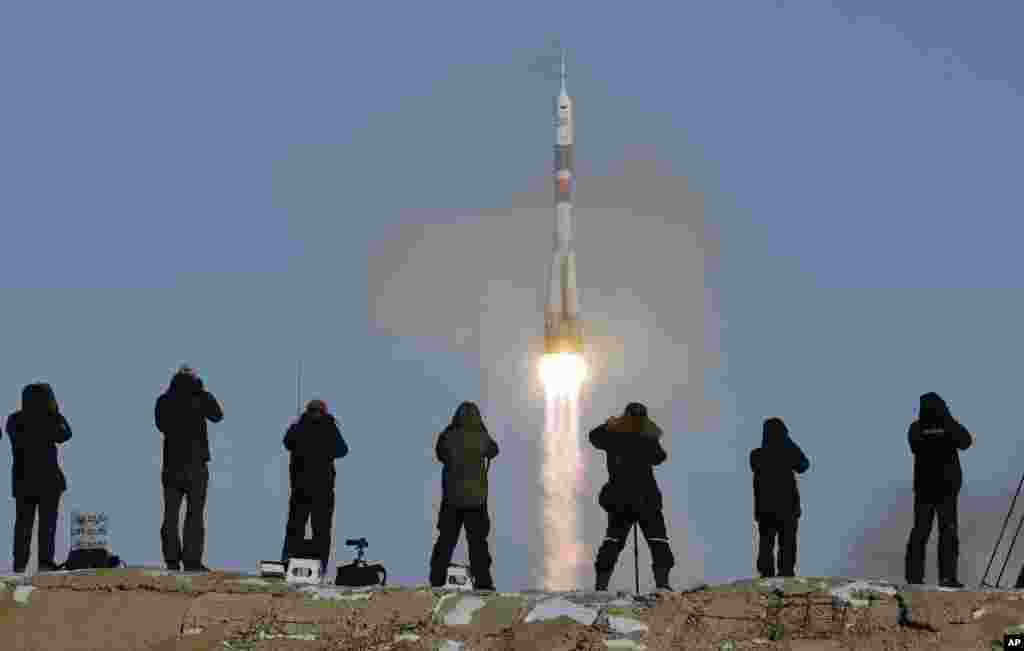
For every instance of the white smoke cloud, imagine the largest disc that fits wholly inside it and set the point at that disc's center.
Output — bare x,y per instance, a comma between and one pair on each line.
476,284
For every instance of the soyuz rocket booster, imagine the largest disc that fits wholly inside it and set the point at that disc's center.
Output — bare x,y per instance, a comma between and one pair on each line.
563,331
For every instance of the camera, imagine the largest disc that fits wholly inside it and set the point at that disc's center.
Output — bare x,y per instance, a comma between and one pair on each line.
359,573
360,544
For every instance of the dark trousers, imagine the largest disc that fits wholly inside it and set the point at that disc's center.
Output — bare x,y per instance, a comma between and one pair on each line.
450,521
184,484
652,523
925,511
771,528
316,507
25,515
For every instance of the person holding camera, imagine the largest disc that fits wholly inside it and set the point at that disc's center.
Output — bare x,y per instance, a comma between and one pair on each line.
314,442
776,497
935,440
466,448
632,445
181,414
37,479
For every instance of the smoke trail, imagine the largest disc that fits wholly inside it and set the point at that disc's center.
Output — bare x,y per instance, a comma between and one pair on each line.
561,474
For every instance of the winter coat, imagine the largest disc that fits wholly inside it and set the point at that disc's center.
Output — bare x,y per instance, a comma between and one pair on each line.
181,415
774,464
314,442
464,447
632,447
34,432
935,440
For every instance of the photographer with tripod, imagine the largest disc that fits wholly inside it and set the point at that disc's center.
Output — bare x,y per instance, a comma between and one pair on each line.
314,442
632,444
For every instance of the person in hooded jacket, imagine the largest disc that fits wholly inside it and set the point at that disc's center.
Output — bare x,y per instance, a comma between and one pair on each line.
314,442
935,440
37,479
466,448
632,445
776,497
181,414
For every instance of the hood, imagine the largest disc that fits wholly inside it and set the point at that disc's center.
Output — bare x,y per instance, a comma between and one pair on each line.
35,398
636,410
467,416
773,433
316,410
932,408
634,421
185,383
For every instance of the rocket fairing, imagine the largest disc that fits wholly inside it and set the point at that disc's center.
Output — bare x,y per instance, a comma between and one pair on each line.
563,331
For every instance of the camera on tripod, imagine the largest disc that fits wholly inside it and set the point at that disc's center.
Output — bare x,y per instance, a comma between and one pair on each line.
359,573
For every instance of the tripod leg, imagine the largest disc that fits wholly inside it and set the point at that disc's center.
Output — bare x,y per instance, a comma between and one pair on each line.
1010,550
636,559
1002,531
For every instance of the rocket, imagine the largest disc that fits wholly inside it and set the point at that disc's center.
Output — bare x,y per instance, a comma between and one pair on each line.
563,332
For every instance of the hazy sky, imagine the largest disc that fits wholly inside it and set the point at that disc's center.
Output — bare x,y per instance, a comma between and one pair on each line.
800,209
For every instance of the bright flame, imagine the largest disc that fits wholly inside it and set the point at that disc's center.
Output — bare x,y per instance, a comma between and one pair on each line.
562,469
563,374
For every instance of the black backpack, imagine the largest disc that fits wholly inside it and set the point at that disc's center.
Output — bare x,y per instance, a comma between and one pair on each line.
358,574
85,559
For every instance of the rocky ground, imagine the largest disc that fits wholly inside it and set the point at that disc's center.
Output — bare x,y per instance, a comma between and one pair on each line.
141,609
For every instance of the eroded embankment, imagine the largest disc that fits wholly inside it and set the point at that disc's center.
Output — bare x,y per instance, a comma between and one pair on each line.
137,609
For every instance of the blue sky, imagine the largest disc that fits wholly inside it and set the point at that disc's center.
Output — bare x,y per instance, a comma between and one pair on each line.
801,209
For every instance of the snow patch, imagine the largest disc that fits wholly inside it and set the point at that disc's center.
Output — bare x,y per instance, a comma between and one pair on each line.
560,607
462,613
22,592
626,625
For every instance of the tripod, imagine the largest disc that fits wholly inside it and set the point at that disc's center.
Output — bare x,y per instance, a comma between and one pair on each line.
636,558
999,540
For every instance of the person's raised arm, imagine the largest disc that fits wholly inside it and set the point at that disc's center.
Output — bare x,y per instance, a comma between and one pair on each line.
211,408
340,446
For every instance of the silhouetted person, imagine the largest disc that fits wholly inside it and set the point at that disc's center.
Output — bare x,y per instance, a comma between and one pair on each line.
935,439
465,448
181,414
776,497
37,480
315,442
632,445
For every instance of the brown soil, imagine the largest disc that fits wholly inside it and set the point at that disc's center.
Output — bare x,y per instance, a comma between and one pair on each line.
129,610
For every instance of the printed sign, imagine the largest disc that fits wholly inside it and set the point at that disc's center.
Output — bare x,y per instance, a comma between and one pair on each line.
90,530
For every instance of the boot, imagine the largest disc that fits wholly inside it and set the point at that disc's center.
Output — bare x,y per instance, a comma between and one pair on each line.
661,579
602,581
